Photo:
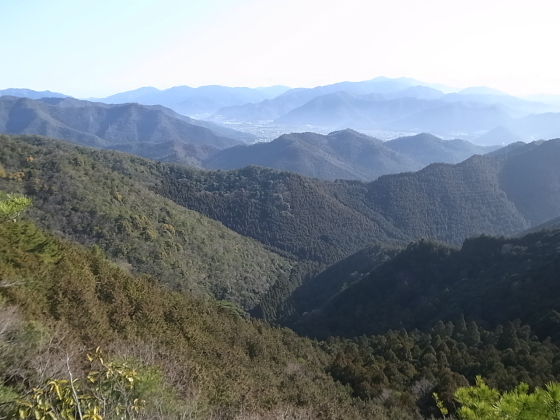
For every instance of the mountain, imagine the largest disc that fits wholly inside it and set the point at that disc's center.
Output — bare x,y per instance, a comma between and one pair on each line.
105,126
282,104
416,108
501,194
57,298
538,127
31,94
455,117
194,101
345,154
295,216
104,198
427,148
341,109
419,92
322,222
500,135
516,107
488,280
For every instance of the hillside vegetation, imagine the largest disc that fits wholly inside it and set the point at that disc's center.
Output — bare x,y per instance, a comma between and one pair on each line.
78,193
489,280
100,125
200,359
322,221
195,358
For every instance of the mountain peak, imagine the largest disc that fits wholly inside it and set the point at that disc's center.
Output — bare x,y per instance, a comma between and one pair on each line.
482,90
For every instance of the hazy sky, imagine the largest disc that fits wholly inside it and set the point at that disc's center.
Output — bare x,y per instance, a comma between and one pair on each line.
96,48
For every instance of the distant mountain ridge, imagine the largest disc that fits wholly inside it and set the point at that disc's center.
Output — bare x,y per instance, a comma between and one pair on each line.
488,281
274,108
114,126
370,105
345,154
195,101
31,94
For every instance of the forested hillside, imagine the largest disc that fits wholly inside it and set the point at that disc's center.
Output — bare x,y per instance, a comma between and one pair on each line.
81,194
489,280
100,125
345,154
155,218
194,358
325,221
199,358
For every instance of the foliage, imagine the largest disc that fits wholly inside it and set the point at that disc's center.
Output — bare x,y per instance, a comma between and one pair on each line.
490,280
109,391
481,402
82,195
12,206
414,365
212,361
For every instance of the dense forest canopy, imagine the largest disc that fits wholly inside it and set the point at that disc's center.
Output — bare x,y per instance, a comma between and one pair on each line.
159,266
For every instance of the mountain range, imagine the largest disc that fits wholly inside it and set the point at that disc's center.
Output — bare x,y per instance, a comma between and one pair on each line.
195,101
159,133
399,105
158,263
345,154
154,131
402,105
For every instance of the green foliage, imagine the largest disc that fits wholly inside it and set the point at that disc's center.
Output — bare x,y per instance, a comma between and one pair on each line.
418,364
88,196
490,281
109,391
212,361
440,405
12,206
481,402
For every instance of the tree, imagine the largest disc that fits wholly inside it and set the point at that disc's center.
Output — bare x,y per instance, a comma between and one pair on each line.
12,206
481,402
107,392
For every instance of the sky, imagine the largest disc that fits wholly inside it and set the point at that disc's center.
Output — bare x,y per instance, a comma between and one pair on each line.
87,48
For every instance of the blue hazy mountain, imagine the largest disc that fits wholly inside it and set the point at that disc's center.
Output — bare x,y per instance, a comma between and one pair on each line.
194,101
282,104
481,90
112,126
32,94
345,154
501,135
341,109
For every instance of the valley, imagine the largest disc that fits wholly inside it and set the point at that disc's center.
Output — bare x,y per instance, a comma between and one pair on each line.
342,252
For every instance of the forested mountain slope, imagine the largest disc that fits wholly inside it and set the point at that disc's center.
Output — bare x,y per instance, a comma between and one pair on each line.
85,195
106,126
344,154
325,221
427,148
194,358
199,358
490,280
205,351
284,210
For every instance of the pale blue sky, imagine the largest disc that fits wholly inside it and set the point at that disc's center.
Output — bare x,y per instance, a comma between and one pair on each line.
96,48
